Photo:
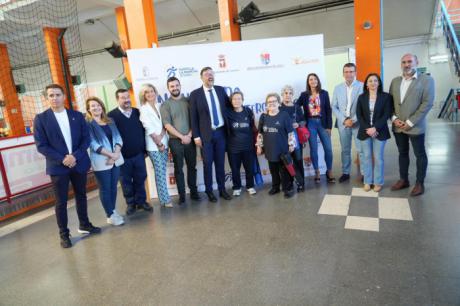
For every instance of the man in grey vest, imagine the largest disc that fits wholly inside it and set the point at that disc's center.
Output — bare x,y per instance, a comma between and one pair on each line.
344,102
413,96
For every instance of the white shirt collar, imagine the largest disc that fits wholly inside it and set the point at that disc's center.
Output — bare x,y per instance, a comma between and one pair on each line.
352,83
207,89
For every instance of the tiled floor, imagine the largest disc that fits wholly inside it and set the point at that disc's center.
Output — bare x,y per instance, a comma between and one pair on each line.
363,210
332,245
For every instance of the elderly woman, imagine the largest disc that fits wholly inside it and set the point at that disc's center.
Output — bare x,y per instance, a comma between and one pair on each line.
156,139
318,114
239,121
105,156
276,137
298,119
373,110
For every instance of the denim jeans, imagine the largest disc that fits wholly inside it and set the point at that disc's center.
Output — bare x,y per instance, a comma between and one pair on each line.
347,135
418,144
159,161
316,129
107,181
373,147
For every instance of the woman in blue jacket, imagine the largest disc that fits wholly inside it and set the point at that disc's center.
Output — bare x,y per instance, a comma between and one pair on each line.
105,156
318,115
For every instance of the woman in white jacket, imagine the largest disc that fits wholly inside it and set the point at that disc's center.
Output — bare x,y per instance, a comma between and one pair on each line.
156,139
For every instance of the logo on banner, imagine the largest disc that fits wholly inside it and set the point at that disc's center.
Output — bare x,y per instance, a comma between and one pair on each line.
304,61
265,58
222,61
182,71
171,71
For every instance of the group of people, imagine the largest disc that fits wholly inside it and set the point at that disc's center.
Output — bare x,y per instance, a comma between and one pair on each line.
215,123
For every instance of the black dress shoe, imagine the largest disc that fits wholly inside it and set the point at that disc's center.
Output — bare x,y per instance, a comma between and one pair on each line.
288,194
65,241
131,209
211,196
300,188
273,191
195,196
225,195
344,178
181,199
145,206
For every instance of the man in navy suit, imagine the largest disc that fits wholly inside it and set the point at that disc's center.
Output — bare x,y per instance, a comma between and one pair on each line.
62,136
207,104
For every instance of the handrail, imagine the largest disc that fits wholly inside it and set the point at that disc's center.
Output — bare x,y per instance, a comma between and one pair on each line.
449,24
446,103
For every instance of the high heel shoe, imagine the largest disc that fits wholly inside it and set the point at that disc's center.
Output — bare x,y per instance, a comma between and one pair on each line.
330,179
317,177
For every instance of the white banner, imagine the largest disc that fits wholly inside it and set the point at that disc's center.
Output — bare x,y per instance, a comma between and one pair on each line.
255,67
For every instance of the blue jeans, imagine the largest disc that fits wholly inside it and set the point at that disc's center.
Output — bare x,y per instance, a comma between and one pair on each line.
107,181
316,129
247,158
132,178
373,147
159,161
346,137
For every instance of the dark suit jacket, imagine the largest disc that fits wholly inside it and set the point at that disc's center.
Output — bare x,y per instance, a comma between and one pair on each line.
50,142
199,112
325,103
382,112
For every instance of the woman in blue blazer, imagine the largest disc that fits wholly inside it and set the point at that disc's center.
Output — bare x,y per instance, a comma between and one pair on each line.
373,110
105,156
318,115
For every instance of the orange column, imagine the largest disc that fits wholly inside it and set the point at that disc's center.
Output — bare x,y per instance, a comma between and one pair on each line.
140,18
228,12
368,37
57,74
125,44
13,113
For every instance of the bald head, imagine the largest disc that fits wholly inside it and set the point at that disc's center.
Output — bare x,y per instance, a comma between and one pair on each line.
409,63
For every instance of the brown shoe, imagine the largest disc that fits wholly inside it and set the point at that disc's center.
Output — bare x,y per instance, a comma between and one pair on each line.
417,190
401,184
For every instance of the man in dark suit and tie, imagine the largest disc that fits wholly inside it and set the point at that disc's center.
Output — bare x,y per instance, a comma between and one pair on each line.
207,105
62,136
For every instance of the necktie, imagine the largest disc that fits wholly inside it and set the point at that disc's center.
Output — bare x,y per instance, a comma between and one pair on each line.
215,117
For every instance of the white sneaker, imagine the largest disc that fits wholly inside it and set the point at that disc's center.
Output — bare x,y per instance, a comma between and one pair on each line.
236,192
117,215
169,205
252,191
114,220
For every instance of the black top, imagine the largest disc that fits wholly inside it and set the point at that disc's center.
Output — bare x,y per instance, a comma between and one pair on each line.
294,111
108,133
131,132
382,112
275,131
239,128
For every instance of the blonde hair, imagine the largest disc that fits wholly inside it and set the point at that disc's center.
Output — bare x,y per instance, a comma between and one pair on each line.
142,91
89,116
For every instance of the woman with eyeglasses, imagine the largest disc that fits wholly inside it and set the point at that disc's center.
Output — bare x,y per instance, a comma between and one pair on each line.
276,138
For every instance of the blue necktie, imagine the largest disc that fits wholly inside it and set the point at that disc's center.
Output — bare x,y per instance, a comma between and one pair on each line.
215,117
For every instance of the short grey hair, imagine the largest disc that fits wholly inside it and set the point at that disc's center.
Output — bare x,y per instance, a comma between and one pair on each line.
287,87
